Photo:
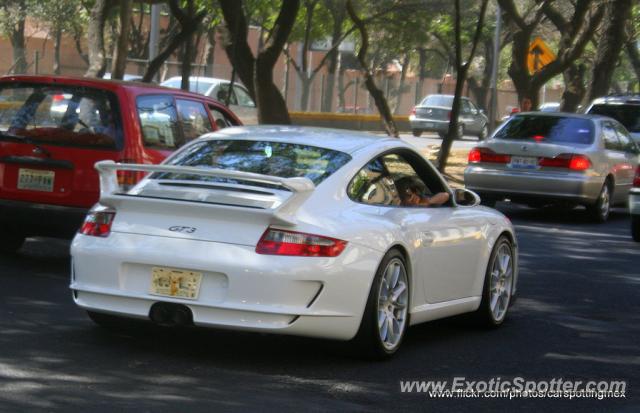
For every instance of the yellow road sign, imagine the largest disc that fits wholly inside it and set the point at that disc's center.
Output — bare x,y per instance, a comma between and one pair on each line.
539,55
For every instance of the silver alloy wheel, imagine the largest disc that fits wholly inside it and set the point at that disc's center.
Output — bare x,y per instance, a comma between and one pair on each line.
604,201
501,282
484,133
460,131
393,299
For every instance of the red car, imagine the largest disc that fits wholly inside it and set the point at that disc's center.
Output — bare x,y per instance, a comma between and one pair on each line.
54,129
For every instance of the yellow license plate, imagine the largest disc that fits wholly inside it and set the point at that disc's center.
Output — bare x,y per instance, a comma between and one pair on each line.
35,180
172,282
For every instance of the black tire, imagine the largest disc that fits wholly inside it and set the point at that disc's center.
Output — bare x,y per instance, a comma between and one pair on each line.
416,133
599,212
484,315
10,242
368,340
484,132
635,227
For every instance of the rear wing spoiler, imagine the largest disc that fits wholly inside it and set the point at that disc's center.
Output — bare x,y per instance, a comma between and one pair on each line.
300,187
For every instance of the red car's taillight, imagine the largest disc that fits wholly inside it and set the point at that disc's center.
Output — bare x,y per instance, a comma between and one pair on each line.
98,223
477,155
567,160
282,242
636,179
128,179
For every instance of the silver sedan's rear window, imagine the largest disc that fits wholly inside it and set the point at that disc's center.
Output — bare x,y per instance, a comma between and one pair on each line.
549,129
285,160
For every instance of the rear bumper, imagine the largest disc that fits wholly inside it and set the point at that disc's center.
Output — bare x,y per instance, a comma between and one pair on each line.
306,296
634,201
517,185
33,219
429,125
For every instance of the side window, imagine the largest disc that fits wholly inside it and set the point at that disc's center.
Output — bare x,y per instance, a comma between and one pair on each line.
610,137
223,92
159,122
243,97
221,120
193,118
373,185
626,142
466,107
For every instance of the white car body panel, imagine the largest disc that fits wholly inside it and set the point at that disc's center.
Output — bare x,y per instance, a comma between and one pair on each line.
447,250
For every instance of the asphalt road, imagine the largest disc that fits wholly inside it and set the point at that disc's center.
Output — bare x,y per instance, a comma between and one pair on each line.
577,318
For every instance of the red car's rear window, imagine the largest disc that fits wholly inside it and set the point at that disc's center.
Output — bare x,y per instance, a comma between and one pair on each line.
60,115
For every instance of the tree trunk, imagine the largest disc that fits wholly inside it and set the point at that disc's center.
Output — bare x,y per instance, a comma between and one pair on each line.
369,81
271,104
95,38
257,72
188,26
461,76
18,41
305,82
634,57
403,76
338,12
422,65
121,51
574,89
57,38
609,46
209,52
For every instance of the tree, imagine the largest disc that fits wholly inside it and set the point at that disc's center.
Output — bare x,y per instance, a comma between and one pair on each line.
462,68
256,72
575,32
95,38
121,51
374,91
182,32
13,15
610,45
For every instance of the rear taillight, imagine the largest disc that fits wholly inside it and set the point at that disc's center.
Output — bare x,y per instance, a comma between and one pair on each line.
413,111
127,179
567,160
636,179
477,155
281,242
98,223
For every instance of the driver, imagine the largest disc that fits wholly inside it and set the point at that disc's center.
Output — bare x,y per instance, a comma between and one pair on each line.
411,192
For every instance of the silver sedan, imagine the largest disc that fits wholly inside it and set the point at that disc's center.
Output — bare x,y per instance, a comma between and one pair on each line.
555,158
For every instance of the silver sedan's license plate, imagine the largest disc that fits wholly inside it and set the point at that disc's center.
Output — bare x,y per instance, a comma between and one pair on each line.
36,180
524,162
171,282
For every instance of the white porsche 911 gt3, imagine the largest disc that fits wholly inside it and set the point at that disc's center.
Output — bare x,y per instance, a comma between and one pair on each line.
292,230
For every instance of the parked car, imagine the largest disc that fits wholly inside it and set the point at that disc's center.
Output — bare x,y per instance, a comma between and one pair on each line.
538,159
434,113
54,129
623,108
296,231
634,206
240,101
550,107
127,77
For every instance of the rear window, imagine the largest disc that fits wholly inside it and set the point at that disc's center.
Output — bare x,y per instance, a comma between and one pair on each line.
628,115
60,115
435,100
285,160
551,129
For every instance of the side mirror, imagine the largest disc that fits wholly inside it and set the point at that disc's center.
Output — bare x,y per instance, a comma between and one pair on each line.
465,197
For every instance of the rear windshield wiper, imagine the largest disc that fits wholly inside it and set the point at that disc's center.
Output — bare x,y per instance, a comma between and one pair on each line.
6,136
